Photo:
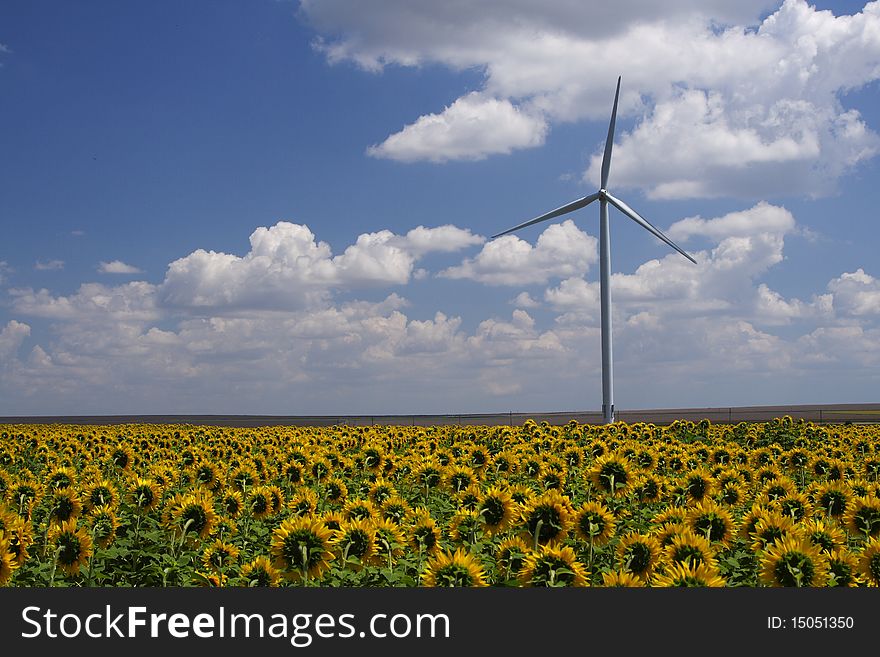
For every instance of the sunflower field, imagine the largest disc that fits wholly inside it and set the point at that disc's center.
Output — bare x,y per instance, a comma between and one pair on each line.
781,503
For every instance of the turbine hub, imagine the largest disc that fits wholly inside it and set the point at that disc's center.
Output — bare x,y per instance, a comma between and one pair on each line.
602,194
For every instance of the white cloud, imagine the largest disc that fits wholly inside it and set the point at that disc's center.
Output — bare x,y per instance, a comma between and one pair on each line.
472,128
562,250
728,103
11,337
711,334
4,270
117,267
49,265
287,268
856,294
134,301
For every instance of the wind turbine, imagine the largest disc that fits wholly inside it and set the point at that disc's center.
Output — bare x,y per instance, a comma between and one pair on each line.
604,198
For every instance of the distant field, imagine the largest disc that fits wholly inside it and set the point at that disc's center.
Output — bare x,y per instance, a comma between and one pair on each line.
820,413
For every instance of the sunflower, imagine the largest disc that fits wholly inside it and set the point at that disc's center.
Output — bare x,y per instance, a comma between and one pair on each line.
690,549
144,495
648,488
395,509
332,520
777,489
466,526
100,493
610,474
546,519
19,538
458,478
770,528
638,554
304,502
424,535
355,543
510,556
390,541
359,510
594,523
104,525
5,561
495,508
72,546
224,527
689,575
23,495
122,458
469,498
259,502
208,475
219,554
699,484
521,494
862,516
61,477
711,521
335,490
232,503
320,469
823,534
428,475
844,568
750,520
300,548
831,499
791,561
869,562
621,579
673,515
191,514
454,569
63,504
552,565
260,572
244,477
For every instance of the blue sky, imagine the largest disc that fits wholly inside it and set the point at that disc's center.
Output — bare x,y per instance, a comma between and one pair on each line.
284,207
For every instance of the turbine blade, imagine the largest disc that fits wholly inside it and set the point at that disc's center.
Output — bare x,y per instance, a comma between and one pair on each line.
644,223
609,141
565,209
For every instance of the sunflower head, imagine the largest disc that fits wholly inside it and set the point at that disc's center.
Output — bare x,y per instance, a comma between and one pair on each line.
638,554
792,561
355,543
594,523
862,516
300,548
104,525
711,521
259,572
546,518
552,566
454,569
218,555
869,562
689,575
610,475
511,555
72,546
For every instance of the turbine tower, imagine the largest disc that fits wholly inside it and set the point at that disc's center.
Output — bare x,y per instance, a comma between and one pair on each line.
604,198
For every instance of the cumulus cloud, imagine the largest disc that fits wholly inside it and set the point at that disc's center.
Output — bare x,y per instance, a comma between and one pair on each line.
683,334
11,337
117,267
562,250
472,128
288,268
725,102
856,293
